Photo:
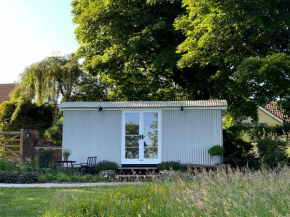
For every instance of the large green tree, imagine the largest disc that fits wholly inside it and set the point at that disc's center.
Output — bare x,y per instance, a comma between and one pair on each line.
248,41
133,45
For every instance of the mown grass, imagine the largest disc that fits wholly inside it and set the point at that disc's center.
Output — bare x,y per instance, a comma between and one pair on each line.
30,202
222,193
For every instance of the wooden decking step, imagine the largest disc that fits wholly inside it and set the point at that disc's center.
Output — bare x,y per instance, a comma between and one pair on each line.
136,176
137,168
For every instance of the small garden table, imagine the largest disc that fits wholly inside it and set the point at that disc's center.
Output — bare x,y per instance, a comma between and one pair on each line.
67,162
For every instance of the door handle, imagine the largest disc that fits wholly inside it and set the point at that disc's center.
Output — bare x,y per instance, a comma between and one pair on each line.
142,136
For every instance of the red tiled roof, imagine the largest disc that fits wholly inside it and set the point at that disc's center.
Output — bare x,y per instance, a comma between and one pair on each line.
280,113
5,90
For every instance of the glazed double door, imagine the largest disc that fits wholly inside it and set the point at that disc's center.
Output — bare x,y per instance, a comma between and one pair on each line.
141,137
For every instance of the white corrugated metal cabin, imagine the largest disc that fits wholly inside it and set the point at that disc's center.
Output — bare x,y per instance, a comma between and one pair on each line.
135,133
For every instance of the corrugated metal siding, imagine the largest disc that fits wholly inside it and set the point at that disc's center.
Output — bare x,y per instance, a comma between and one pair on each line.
187,135
93,133
144,104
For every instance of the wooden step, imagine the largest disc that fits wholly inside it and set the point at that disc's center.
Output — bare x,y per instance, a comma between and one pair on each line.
136,176
137,168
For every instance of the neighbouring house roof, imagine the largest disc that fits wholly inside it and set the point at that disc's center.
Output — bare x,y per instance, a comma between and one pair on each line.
5,90
279,113
145,104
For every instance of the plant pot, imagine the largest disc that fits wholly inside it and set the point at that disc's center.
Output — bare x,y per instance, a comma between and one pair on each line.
107,173
65,158
216,159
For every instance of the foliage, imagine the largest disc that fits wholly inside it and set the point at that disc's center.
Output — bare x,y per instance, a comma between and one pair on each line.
272,150
169,165
62,177
247,41
66,153
92,88
106,165
46,177
18,177
53,135
48,80
25,165
30,116
216,150
246,193
132,44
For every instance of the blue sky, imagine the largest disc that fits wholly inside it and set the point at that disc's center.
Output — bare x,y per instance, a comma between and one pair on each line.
31,30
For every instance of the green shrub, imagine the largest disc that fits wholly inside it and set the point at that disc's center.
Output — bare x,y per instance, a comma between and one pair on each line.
6,165
16,177
41,178
88,178
76,178
28,177
216,150
106,165
169,165
272,150
62,177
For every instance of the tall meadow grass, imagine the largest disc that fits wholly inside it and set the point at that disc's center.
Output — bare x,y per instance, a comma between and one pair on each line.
215,193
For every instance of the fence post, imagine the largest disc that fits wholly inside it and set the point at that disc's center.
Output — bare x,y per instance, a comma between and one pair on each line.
21,143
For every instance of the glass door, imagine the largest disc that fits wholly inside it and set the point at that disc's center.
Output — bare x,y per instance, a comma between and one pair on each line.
141,137
132,137
150,137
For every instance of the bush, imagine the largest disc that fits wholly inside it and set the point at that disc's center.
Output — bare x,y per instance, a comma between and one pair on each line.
18,166
106,165
76,178
272,150
216,150
169,165
239,143
15,177
46,177
62,177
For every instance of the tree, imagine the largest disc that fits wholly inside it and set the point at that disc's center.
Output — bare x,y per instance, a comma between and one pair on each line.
133,44
49,80
232,35
30,117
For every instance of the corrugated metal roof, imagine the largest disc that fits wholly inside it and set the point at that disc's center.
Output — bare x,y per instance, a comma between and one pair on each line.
144,104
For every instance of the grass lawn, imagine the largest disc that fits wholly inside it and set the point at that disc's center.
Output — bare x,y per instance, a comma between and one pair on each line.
19,202
264,193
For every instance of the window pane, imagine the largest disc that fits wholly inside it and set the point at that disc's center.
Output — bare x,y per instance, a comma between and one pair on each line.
151,153
132,153
150,118
132,141
132,118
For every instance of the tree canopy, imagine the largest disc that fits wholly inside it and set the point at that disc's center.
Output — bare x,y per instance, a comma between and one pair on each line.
248,41
184,49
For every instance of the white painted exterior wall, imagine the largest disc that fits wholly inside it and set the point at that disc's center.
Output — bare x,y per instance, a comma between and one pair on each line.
91,133
186,135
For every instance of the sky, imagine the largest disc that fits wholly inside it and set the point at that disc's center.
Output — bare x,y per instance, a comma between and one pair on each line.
31,30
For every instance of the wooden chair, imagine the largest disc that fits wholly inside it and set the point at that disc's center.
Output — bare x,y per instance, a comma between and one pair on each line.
89,167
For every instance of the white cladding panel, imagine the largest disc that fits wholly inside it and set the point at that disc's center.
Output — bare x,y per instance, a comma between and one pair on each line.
187,135
92,133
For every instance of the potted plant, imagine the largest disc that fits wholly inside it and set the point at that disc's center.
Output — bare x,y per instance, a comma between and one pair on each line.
66,153
215,153
107,168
